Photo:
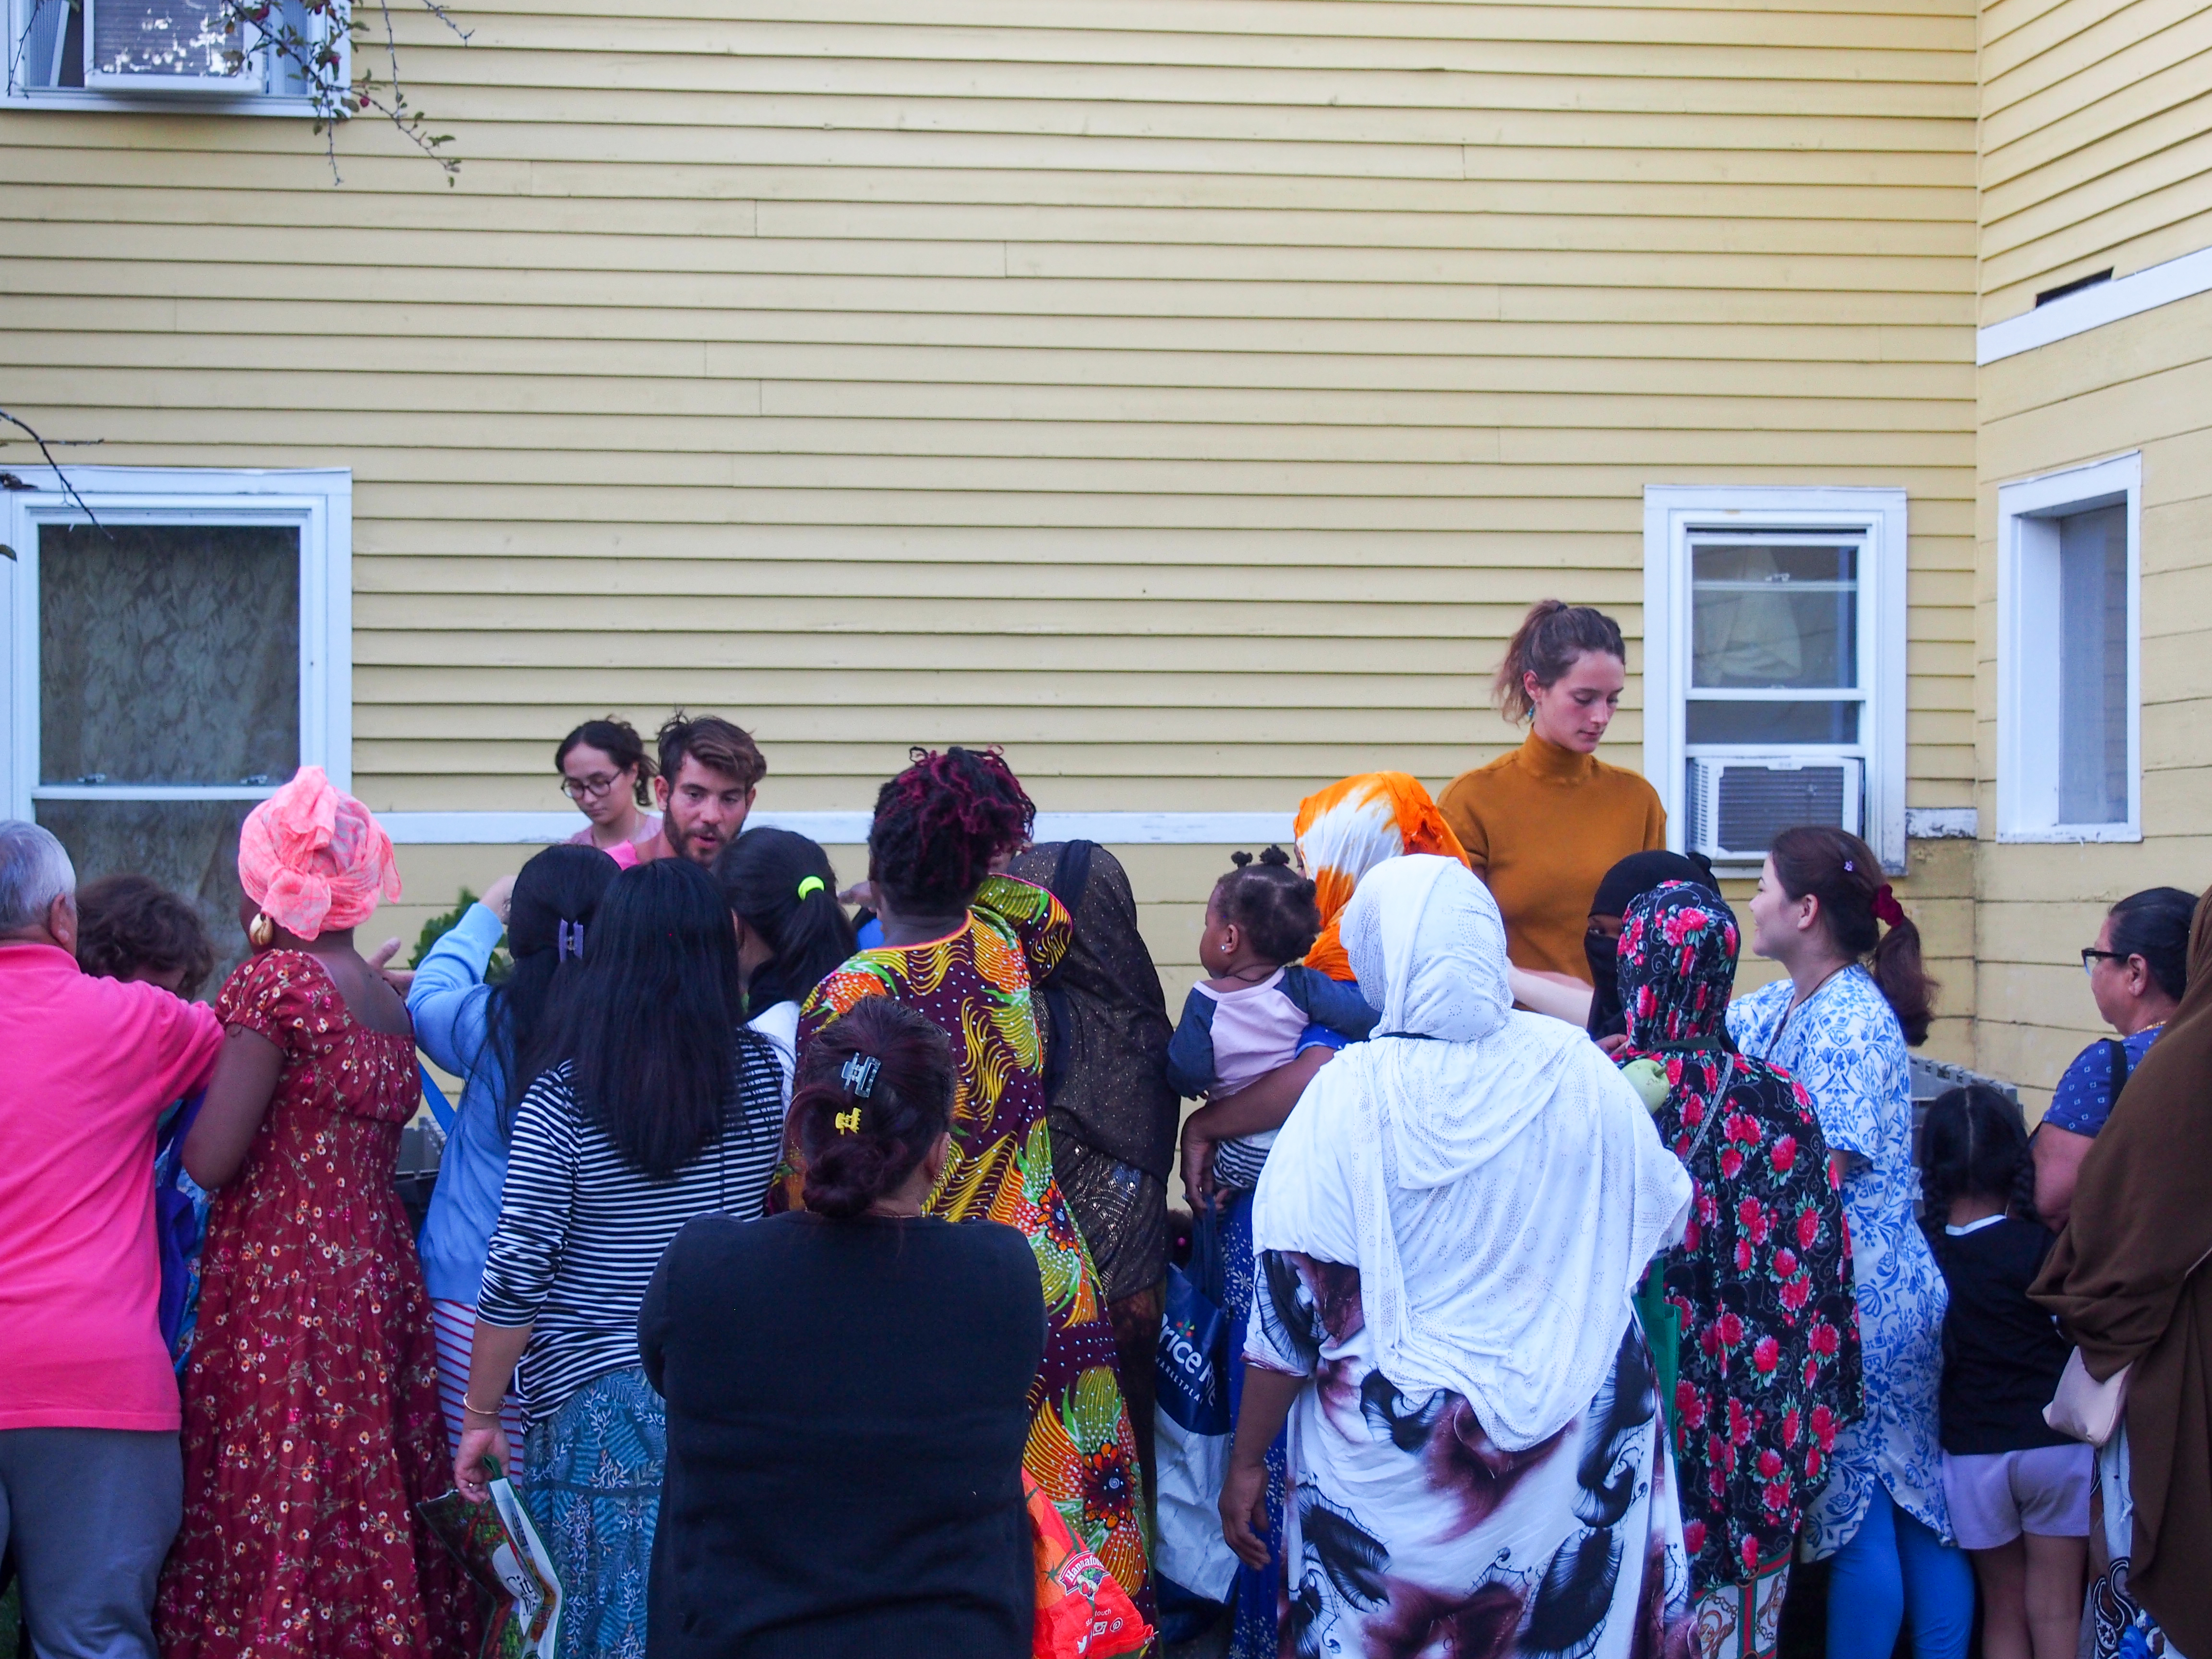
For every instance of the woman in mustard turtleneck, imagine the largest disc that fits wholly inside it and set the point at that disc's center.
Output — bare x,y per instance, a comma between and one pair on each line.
1543,824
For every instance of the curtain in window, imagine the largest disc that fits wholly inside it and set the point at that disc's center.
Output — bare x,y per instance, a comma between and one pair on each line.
167,654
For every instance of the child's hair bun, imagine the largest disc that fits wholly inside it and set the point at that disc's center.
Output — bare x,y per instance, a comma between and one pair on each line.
1272,902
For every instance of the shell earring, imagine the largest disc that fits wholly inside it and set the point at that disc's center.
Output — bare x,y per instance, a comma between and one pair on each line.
261,932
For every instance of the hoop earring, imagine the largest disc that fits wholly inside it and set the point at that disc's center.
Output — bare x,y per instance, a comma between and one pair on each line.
261,932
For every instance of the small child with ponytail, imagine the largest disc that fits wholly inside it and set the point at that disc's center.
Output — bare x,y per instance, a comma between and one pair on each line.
2018,1491
1246,1020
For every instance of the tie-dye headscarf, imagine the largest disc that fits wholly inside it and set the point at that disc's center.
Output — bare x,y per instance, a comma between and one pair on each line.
314,859
1348,829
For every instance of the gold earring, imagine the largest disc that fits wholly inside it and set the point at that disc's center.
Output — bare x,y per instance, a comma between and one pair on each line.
261,932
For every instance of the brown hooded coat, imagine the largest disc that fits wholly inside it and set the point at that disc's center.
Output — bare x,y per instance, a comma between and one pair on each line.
2128,1283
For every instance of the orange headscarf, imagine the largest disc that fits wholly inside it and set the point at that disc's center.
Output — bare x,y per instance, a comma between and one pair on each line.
1348,829
314,859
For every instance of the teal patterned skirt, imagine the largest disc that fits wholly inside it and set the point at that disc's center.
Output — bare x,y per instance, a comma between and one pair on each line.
593,1471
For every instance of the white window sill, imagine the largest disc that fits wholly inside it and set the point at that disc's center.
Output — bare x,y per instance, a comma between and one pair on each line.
81,98
2075,834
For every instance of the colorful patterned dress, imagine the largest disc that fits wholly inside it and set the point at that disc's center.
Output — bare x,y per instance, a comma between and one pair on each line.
311,1426
975,985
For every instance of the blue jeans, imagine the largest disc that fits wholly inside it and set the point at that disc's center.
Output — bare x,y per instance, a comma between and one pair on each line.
1894,1569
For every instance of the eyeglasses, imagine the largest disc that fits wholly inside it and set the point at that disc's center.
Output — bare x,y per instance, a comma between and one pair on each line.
588,788
2090,953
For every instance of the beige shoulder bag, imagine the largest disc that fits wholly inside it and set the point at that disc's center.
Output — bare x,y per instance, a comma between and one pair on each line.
2085,1408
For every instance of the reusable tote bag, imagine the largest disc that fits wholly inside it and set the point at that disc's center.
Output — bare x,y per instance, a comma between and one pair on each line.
1191,1375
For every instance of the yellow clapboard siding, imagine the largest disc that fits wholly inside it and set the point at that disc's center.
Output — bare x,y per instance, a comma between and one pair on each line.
2146,220
2093,147
1191,396
1862,327
2095,211
2069,40
2143,383
1502,38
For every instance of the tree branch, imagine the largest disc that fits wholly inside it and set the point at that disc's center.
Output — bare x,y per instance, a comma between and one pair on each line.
69,489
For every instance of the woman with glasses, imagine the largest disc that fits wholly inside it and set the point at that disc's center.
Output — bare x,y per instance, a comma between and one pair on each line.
604,770
2137,970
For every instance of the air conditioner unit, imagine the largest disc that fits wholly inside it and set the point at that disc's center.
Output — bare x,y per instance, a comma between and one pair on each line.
1739,803
169,45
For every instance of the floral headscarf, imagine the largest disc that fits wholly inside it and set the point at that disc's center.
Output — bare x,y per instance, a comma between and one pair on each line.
1761,1282
1677,964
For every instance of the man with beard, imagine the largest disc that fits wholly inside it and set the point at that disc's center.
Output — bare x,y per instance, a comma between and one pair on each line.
709,770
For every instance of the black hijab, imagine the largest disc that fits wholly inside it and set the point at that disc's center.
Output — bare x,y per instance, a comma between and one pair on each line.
1106,1017
1627,882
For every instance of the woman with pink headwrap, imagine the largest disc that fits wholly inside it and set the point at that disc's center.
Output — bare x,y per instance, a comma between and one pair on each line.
311,1425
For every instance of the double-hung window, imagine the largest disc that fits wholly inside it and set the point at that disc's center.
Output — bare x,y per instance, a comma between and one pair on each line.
173,665
158,54
2069,668
1774,664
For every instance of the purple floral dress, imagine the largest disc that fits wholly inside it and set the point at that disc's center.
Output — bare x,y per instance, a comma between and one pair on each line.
1761,1282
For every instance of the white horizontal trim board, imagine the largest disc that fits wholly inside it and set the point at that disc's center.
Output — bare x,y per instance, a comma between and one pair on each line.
2092,307
851,828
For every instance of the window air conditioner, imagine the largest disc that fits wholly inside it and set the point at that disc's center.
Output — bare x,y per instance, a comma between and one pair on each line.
1738,805
167,46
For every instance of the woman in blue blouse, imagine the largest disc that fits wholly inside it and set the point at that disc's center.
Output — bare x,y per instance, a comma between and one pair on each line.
1839,1025
475,1032
2137,970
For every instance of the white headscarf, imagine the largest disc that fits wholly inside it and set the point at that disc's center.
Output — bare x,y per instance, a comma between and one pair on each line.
1499,1186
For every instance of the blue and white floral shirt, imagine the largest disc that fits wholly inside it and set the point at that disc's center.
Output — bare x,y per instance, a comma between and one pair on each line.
1845,1046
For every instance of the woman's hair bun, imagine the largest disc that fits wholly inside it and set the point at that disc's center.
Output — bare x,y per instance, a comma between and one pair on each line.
874,1091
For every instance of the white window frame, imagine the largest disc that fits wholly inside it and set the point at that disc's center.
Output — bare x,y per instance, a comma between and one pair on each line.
2025,509
320,502
1671,514
177,97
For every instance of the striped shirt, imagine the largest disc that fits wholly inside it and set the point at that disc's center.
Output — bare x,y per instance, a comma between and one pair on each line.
580,1230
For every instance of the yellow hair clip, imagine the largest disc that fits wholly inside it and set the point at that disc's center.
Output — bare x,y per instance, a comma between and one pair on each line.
849,1122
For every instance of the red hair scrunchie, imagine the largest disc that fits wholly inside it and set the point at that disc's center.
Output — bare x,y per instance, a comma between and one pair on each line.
1887,910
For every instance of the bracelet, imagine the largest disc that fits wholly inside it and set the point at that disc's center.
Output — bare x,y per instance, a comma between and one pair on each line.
477,1410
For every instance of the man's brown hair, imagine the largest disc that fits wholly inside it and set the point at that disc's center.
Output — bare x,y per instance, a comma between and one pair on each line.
712,742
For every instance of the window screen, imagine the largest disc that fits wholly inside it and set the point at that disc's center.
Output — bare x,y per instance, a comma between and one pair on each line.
2092,666
168,654
1776,618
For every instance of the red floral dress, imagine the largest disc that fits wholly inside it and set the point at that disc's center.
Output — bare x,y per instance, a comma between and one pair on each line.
1761,1282
311,1425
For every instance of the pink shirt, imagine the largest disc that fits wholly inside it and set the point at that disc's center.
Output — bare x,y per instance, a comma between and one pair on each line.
625,854
90,1065
1256,1028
